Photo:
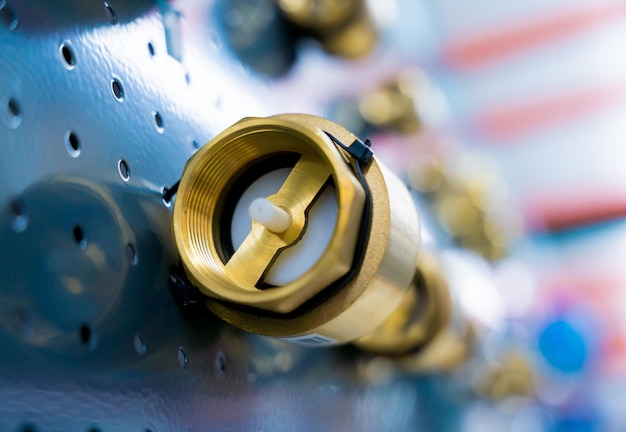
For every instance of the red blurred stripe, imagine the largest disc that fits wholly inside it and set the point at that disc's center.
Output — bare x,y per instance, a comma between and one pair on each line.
555,212
521,118
480,48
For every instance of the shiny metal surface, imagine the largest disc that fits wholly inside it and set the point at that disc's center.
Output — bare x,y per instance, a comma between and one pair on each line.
95,120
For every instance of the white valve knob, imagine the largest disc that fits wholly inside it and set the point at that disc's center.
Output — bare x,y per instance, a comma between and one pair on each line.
272,217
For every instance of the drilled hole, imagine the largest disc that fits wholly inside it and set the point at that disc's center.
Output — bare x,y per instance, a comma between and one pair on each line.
140,345
220,364
72,144
183,361
86,335
27,428
25,323
94,429
173,274
252,372
79,236
20,220
7,16
151,49
158,121
67,54
12,116
109,13
131,254
16,208
11,113
118,89
166,202
123,169
14,108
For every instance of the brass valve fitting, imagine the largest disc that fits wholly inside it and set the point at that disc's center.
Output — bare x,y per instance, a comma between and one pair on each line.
427,331
394,105
334,298
470,204
344,28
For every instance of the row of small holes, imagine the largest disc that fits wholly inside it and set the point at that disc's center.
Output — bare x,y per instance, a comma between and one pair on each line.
72,143
73,147
20,223
219,363
71,140
87,336
81,240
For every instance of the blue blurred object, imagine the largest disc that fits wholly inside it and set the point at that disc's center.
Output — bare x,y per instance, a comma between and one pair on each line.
581,417
575,425
563,346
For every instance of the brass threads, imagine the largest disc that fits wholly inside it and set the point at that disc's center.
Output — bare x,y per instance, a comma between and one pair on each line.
207,181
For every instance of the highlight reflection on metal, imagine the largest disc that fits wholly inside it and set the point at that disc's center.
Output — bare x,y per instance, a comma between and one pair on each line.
95,119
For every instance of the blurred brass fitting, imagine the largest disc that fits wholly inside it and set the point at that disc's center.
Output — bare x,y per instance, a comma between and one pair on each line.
426,332
393,105
233,280
471,205
344,28
511,377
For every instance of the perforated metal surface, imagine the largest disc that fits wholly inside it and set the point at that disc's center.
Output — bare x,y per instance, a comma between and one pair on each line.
95,119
